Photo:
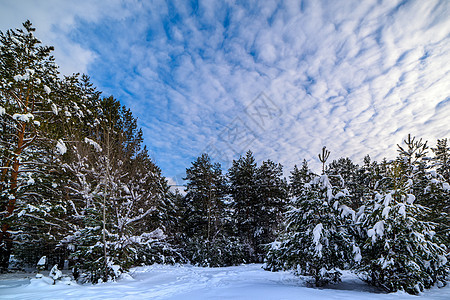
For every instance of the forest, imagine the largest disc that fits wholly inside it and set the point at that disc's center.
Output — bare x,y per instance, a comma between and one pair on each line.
78,187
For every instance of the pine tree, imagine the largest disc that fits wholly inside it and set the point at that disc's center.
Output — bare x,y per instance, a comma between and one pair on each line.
272,191
71,162
438,190
315,242
205,202
259,199
401,250
244,192
28,75
344,170
115,176
442,159
299,177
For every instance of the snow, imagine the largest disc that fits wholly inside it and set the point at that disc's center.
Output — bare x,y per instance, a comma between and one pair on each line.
30,181
317,231
347,211
28,73
42,261
325,182
378,229
61,147
16,41
402,210
2,111
446,186
386,211
411,198
442,260
47,89
54,109
357,252
55,273
387,199
409,183
94,144
23,117
188,282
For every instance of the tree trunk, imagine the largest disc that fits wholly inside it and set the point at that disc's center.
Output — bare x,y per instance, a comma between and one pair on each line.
5,237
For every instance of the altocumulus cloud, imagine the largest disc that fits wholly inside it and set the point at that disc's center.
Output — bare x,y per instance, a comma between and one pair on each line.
282,78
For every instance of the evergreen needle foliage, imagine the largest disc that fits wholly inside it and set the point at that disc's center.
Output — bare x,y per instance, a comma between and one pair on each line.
78,187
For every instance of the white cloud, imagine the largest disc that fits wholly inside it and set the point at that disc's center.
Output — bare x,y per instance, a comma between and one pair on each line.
357,76
56,19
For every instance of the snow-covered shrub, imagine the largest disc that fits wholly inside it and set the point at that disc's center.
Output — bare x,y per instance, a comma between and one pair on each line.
41,264
55,273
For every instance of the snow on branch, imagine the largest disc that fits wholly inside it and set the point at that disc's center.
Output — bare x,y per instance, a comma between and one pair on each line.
94,144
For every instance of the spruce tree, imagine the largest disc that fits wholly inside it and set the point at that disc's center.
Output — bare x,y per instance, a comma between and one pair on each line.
401,252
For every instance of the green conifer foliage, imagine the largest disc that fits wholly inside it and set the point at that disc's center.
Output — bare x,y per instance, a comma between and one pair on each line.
315,241
204,223
402,250
28,75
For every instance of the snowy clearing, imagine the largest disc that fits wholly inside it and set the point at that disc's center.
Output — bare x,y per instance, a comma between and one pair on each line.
187,282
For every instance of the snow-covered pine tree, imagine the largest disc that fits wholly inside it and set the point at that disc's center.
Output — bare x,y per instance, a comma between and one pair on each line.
435,196
204,206
441,159
244,192
259,199
402,251
298,179
44,219
167,217
28,77
437,191
348,172
111,174
272,191
315,242
138,233
428,183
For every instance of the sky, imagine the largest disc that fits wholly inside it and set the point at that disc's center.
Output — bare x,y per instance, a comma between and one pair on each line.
280,78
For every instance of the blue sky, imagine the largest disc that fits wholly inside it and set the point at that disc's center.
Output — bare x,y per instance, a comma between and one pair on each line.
282,78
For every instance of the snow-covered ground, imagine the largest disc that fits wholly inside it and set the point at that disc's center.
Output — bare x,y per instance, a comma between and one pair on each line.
187,282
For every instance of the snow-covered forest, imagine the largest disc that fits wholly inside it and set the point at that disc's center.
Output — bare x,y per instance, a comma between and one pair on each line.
79,191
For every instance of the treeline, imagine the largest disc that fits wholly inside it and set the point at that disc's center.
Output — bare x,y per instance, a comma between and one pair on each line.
387,221
78,186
